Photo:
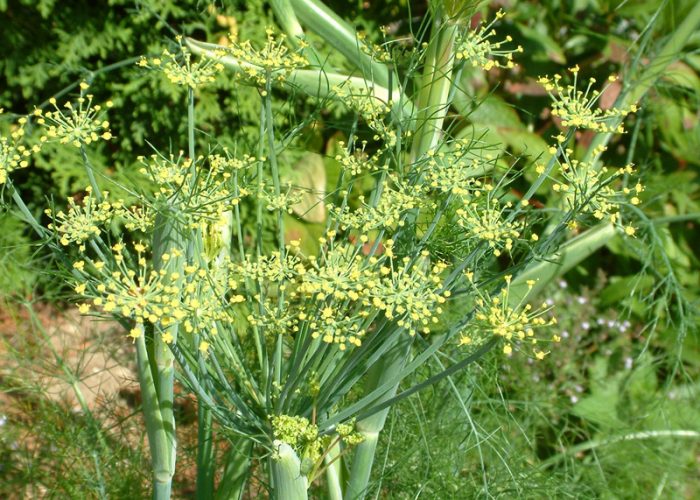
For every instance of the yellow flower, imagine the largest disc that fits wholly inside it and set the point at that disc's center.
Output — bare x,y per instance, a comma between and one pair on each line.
577,108
13,154
135,332
181,70
78,124
496,315
273,60
478,48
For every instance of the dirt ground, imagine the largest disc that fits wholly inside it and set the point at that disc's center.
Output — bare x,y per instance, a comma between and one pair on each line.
78,363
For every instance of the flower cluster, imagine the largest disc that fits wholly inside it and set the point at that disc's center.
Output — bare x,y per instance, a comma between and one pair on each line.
347,434
303,436
578,108
373,110
78,124
454,173
336,296
376,52
357,163
181,70
296,431
126,286
591,191
266,271
486,223
274,60
14,154
516,324
394,202
200,195
227,164
137,218
83,222
412,297
283,201
338,286
477,47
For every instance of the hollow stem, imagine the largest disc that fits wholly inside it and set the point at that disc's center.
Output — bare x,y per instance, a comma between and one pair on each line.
388,369
159,442
288,481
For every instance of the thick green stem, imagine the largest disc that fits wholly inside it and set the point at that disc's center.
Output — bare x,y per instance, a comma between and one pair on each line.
434,87
288,481
287,18
159,441
167,237
334,472
314,82
205,453
369,428
165,369
236,470
341,36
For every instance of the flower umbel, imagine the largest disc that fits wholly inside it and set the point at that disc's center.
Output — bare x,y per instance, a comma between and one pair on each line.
488,224
78,124
515,323
590,191
388,212
13,154
477,47
82,222
181,70
578,108
298,433
274,60
371,108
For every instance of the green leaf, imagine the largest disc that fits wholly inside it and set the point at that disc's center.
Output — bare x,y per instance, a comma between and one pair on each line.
307,233
309,179
498,122
492,110
682,75
541,46
600,407
621,288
